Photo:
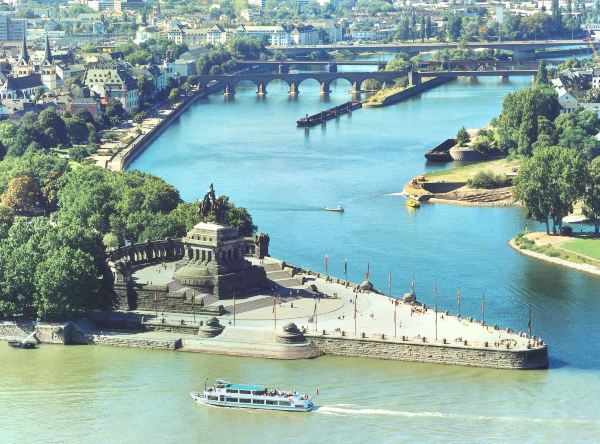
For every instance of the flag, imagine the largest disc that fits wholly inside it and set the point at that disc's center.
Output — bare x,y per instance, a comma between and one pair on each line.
368,271
274,302
346,266
355,307
326,263
412,285
315,311
234,301
390,278
155,298
529,322
395,305
459,295
193,299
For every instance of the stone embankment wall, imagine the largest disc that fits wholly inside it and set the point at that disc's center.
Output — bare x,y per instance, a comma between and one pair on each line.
123,341
438,354
441,187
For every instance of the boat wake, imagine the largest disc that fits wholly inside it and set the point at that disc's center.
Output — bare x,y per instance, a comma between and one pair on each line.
354,410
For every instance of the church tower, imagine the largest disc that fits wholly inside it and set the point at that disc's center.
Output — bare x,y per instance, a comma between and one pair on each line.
48,69
24,66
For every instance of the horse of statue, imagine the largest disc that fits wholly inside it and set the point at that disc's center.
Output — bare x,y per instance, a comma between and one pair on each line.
215,205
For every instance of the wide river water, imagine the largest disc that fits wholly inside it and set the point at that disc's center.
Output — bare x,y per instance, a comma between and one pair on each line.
252,151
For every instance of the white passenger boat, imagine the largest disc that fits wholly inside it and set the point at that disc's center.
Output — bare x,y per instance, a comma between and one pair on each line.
338,209
225,394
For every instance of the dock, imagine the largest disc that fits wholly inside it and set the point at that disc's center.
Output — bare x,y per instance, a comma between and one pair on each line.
329,114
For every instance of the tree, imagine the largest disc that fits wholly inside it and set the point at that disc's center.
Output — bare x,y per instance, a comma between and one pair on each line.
174,95
591,195
462,136
65,281
77,130
139,117
428,28
548,184
51,128
2,151
22,194
542,74
556,17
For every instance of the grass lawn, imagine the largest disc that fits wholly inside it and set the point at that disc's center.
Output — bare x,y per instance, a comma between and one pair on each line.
587,247
466,172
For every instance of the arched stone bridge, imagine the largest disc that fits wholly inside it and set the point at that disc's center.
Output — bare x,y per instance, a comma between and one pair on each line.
261,81
355,79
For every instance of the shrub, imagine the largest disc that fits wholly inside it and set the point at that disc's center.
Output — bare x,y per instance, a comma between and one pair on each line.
487,180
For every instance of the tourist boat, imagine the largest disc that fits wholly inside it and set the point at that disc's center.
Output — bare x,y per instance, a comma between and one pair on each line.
225,394
413,203
21,344
338,209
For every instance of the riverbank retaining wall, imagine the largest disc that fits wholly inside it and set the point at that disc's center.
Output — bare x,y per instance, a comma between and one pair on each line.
536,358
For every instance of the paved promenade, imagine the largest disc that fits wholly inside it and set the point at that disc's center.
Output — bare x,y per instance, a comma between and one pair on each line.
335,313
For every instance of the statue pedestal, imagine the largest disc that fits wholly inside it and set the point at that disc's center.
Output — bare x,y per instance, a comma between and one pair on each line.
214,262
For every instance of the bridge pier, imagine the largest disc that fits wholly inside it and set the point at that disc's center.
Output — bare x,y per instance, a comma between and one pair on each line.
356,85
284,69
293,91
332,67
262,89
325,88
229,90
414,78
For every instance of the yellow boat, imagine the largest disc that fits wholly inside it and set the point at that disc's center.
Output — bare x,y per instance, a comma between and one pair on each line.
413,203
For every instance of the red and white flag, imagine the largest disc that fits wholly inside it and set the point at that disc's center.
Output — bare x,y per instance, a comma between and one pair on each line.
368,271
326,263
155,298
459,295
275,300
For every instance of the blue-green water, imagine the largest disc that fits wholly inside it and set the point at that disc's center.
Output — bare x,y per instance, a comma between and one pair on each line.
251,150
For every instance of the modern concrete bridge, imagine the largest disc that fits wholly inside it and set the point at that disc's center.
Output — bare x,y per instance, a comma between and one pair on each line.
355,79
283,66
520,47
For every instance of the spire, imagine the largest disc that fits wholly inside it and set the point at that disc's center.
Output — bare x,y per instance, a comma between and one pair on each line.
47,52
24,53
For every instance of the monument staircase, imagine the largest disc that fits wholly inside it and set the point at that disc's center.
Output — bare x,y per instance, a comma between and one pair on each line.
282,278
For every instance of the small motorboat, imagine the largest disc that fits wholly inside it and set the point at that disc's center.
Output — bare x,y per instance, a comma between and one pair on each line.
412,202
15,343
338,209
225,394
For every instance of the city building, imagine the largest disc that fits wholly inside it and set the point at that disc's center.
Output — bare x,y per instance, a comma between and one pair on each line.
305,35
129,5
12,29
112,81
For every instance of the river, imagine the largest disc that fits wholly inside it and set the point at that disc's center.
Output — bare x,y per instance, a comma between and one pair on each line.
252,151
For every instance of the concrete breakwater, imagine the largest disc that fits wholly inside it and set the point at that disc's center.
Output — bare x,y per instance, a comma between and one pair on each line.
413,351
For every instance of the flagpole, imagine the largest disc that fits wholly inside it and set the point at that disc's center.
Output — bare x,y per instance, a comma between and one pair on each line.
459,302
346,270
436,316
316,316
395,323
355,297
529,323
483,309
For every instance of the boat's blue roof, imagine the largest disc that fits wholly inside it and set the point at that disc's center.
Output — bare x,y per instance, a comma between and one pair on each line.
255,388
